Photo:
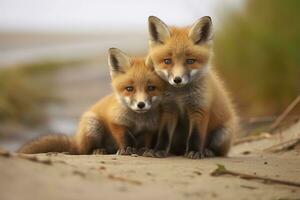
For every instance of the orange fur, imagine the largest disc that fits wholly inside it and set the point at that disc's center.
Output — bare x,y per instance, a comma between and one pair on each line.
106,124
203,98
115,118
50,143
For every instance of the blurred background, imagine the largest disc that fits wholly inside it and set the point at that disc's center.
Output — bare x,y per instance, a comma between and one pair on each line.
53,56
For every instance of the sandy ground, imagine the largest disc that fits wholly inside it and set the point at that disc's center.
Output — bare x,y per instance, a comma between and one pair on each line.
127,177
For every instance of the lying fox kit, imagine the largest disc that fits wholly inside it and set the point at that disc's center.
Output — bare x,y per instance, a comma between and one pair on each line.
182,57
133,109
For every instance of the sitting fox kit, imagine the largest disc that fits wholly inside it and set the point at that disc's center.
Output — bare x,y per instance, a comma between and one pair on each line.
124,120
173,92
132,109
181,56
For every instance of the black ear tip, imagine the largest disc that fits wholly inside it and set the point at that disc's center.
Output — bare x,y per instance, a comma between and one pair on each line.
208,18
152,18
112,50
115,51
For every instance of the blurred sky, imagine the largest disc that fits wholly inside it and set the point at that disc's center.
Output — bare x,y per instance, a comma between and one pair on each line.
91,15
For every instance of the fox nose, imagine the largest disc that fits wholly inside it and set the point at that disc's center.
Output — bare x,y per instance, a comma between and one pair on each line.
177,80
141,105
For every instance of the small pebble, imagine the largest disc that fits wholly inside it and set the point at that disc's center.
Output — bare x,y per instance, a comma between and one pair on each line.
198,173
149,174
246,152
79,173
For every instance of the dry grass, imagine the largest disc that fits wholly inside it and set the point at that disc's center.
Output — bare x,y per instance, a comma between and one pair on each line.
26,89
257,51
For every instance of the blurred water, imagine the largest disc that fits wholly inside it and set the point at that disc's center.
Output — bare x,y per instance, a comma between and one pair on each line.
34,47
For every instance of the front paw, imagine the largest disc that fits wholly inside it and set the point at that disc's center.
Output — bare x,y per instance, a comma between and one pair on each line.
161,154
194,155
99,152
126,151
149,153
208,153
141,151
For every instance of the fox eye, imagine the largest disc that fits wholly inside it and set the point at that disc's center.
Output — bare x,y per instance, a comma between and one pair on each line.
151,87
168,61
190,61
129,88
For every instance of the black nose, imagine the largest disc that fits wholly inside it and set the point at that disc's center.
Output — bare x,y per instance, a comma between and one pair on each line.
177,80
141,105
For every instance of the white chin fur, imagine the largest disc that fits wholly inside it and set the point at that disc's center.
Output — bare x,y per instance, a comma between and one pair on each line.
177,85
141,111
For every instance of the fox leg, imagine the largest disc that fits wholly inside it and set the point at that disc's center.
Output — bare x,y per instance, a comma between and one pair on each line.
167,128
123,138
148,140
160,143
188,140
219,140
90,134
147,150
198,122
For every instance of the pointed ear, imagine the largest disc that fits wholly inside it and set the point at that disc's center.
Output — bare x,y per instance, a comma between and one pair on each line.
158,30
149,62
118,61
201,30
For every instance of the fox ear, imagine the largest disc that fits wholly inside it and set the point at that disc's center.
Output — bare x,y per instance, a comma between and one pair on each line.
158,30
118,61
149,63
201,30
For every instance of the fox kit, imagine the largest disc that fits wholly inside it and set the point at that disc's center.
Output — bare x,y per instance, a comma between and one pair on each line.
182,57
121,121
133,108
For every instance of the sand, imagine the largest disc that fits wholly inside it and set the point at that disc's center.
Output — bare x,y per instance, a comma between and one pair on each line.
62,176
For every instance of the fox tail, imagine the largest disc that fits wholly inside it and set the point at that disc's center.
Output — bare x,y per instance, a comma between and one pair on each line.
50,143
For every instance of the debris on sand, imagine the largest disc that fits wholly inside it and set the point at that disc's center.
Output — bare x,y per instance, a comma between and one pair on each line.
4,153
79,173
32,158
285,113
252,138
35,159
221,170
197,173
123,179
284,146
248,187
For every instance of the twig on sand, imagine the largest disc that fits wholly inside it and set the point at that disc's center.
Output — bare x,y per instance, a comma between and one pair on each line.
118,178
221,170
281,117
4,153
252,138
284,146
34,159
